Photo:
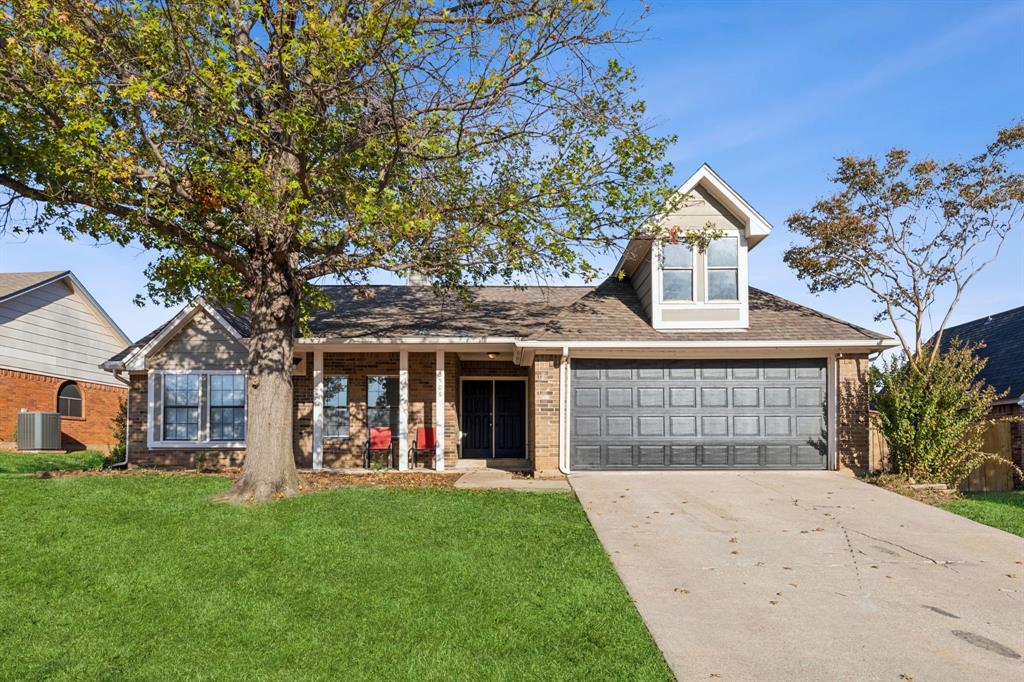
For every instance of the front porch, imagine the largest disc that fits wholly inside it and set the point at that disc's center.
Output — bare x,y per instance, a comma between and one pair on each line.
478,405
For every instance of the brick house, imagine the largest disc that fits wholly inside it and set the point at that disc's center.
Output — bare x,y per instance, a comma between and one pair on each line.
53,338
677,363
1003,337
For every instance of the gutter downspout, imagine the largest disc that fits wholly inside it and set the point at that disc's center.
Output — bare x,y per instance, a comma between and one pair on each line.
563,411
127,398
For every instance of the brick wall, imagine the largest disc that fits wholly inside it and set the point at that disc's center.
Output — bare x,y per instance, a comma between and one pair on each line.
852,413
339,453
139,453
543,407
38,393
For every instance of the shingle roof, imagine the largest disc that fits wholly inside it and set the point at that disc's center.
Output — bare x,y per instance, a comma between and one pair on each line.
1003,336
612,311
12,283
401,311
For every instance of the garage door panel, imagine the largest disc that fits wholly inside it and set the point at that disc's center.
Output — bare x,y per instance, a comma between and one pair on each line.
689,414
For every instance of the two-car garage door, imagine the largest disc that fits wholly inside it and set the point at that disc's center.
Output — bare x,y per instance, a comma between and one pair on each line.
714,414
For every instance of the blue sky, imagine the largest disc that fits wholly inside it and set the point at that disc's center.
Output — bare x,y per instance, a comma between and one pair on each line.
767,94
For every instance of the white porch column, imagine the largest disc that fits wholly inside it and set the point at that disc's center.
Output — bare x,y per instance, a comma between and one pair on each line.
318,409
439,408
403,410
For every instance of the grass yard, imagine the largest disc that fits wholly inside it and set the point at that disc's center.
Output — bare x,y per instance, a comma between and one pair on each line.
141,576
1000,510
23,463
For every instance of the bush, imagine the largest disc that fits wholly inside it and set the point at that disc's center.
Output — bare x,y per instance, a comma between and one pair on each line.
119,424
933,414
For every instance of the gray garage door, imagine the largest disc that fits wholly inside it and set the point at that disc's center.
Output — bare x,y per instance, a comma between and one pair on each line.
658,414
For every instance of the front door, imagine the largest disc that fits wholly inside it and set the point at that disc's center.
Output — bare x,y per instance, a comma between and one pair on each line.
493,418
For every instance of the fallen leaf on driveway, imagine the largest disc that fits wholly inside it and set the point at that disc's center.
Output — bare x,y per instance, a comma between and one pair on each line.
773,602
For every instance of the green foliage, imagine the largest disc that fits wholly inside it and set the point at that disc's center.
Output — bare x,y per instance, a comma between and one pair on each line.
244,140
119,432
352,584
934,416
1004,511
911,233
700,239
26,463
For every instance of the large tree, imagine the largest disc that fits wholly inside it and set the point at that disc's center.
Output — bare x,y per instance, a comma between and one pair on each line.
914,234
255,145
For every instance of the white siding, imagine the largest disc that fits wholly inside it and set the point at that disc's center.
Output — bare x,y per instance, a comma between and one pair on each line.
53,331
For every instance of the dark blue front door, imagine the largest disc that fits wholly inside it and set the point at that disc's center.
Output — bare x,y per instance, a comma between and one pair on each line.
493,419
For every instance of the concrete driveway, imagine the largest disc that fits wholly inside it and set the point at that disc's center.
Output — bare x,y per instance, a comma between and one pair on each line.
809,576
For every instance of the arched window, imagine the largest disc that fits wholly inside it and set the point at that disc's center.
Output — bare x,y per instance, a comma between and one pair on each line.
69,400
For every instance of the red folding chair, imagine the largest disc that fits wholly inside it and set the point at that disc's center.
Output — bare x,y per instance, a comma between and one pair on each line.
380,442
426,445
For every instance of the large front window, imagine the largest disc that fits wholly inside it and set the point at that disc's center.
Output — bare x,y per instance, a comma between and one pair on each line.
336,407
227,407
382,401
181,407
723,269
676,272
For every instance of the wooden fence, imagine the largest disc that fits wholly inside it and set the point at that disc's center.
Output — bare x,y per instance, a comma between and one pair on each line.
992,476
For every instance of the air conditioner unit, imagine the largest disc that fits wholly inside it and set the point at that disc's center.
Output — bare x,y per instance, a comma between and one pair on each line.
39,431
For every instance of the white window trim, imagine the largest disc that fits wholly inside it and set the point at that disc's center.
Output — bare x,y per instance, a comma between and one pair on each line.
348,405
209,406
155,441
707,275
661,268
658,305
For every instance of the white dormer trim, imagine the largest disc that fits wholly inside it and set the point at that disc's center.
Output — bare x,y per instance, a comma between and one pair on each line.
137,360
757,227
663,313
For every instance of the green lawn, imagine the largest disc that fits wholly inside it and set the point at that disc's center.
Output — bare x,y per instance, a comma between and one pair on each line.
1001,510
143,577
23,463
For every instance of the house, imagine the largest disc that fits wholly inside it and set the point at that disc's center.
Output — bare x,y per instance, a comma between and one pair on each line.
1003,336
678,363
53,336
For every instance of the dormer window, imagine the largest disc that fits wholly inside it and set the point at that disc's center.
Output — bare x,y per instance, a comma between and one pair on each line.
677,272
723,269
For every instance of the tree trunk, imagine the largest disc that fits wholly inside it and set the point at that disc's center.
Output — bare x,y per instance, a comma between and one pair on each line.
269,468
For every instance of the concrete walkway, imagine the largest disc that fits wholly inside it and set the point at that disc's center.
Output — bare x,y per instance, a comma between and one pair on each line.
809,576
496,479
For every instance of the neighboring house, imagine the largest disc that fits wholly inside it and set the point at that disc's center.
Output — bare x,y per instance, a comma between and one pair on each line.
678,364
53,337
1003,336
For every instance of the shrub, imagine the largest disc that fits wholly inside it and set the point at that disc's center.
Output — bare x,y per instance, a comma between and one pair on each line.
119,425
933,413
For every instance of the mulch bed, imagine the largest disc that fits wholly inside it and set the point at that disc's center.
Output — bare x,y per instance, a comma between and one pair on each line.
325,480
898,484
311,482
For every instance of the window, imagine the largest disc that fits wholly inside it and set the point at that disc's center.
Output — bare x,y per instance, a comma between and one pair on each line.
723,269
69,400
181,407
382,401
227,407
676,272
336,407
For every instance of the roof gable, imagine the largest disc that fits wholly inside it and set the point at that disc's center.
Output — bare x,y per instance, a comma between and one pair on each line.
15,284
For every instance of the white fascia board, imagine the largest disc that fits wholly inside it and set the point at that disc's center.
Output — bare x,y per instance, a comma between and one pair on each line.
875,344
757,227
308,343
137,360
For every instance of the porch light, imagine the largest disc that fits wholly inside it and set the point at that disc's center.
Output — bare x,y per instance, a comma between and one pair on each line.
492,355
